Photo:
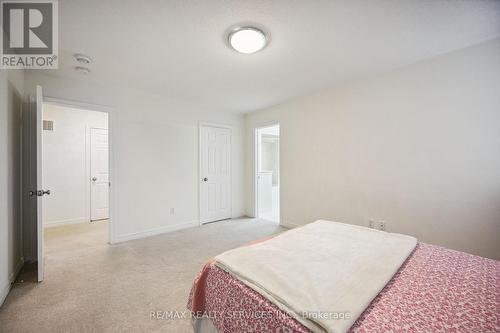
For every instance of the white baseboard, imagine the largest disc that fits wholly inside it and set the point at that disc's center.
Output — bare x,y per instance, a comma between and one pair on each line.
65,222
153,232
12,277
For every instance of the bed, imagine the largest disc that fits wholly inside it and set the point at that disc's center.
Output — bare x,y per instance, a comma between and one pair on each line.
433,289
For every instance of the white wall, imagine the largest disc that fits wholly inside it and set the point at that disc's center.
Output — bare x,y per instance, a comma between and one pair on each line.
154,147
66,153
11,96
418,147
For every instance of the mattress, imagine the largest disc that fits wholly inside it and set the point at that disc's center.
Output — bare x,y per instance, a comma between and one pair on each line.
435,290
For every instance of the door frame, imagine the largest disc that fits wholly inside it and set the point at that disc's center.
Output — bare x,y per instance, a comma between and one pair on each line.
256,167
112,239
230,128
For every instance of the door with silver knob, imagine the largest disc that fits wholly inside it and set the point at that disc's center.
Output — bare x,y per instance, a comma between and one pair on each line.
35,195
99,174
215,173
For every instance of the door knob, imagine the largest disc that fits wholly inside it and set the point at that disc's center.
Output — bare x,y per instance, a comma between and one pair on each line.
41,193
94,179
205,179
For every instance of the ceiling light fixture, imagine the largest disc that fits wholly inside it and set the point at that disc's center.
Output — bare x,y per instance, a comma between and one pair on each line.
247,40
83,59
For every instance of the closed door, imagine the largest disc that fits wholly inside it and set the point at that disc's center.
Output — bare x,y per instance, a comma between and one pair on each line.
99,174
215,173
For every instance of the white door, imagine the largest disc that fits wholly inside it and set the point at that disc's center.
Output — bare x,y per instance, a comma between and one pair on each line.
37,192
99,174
215,173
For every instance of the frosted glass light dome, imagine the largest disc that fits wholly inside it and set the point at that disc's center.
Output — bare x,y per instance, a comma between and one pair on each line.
247,40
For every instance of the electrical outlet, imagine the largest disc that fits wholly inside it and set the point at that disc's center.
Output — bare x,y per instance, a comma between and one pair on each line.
172,211
381,225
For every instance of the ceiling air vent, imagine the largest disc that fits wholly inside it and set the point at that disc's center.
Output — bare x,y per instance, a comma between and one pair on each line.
48,125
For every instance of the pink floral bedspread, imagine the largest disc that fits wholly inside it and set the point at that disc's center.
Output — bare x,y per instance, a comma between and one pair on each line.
436,290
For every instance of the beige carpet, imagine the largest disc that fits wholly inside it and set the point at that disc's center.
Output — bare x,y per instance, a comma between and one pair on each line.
91,286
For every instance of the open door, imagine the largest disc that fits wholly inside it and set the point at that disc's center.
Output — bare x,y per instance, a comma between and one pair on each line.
35,180
39,182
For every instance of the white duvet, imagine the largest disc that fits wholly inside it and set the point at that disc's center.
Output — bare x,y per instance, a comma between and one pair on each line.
323,274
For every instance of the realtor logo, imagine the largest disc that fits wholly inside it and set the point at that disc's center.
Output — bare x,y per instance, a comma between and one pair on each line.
29,37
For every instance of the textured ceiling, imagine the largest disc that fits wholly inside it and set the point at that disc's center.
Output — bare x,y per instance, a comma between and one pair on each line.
178,48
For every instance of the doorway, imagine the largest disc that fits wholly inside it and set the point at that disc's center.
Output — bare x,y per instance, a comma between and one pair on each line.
267,177
56,183
75,155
